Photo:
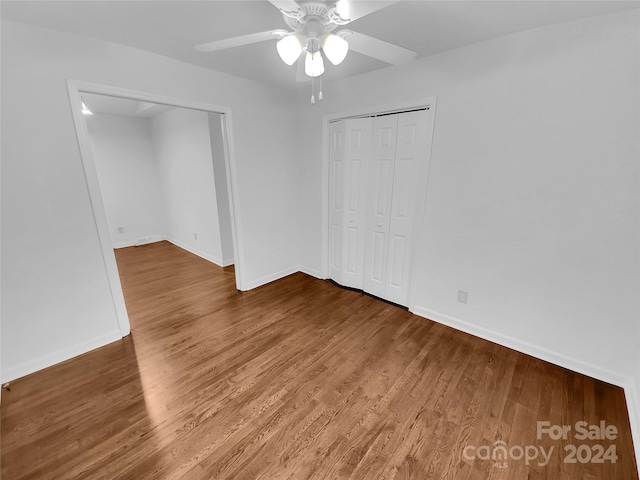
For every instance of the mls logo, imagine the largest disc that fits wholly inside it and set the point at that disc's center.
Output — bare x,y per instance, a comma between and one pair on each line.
499,454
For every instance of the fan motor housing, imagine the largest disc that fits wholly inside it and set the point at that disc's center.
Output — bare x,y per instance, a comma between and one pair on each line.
313,13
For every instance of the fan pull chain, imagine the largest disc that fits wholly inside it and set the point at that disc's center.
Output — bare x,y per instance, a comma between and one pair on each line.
313,97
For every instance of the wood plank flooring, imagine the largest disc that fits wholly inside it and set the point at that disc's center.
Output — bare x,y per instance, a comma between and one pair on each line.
298,379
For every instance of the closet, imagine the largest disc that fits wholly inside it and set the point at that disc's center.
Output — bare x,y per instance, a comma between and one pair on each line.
377,187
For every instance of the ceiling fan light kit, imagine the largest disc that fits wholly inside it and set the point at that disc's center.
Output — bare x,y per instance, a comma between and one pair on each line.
313,64
335,48
312,24
289,48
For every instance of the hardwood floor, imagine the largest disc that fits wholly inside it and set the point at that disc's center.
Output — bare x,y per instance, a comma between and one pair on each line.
297,379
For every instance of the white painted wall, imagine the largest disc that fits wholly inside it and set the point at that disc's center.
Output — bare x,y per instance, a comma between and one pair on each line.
533,190
157,180
128,175
182,147
56,300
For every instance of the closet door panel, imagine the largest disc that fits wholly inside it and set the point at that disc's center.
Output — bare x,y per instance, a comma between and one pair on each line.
397,254
336,166
351,246
411,154
356,160
381,171
378,260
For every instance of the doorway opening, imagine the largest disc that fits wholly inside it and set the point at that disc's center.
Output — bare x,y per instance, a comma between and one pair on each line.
157,169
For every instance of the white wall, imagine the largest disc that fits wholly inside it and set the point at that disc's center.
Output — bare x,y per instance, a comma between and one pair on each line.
182,146
56,300
127,171
533,190
157,180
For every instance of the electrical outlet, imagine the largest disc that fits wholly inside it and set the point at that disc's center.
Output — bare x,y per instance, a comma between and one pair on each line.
462,296
195,236
120,229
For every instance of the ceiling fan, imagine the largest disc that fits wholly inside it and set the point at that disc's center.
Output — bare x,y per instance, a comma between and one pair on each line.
312,24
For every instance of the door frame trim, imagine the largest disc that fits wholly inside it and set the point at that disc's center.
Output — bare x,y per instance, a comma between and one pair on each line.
75,89
429,102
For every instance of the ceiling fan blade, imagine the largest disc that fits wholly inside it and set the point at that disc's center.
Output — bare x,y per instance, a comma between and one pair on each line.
350,10
288,8
375,48
241,40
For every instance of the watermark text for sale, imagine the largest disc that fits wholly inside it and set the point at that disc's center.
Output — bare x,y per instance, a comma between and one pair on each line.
500,453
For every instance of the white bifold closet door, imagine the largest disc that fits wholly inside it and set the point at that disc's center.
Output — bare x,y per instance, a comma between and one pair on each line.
376,188
349,156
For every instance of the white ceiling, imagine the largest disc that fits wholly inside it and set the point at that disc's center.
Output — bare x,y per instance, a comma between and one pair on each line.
172,28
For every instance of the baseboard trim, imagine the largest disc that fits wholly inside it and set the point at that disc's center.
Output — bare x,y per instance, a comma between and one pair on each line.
270,278
312,272
632,395
206,256
59,356
542,353
139,242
